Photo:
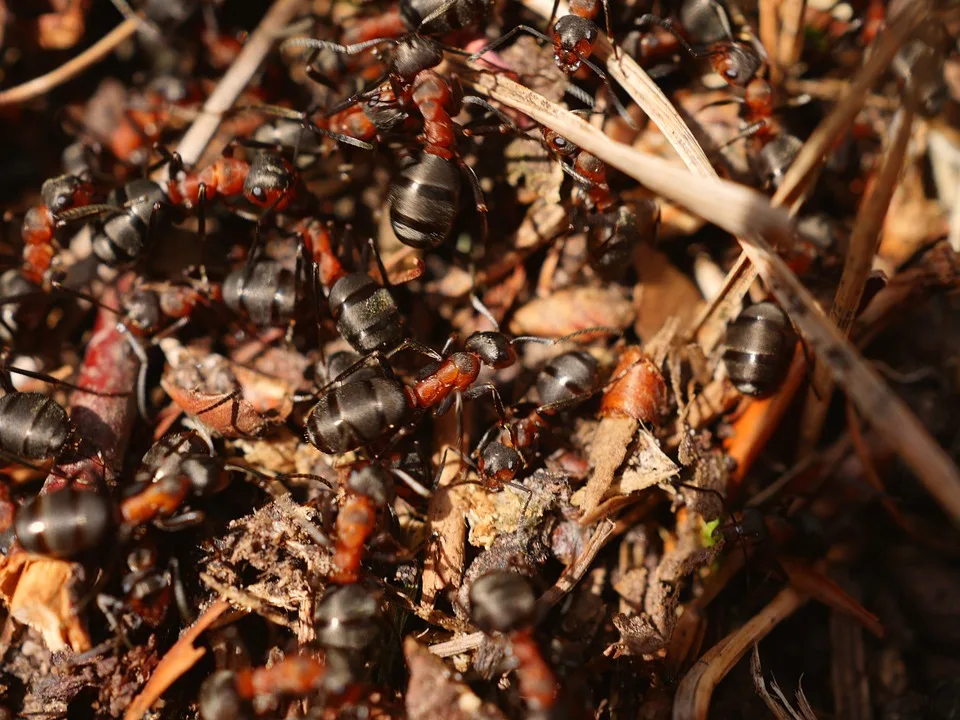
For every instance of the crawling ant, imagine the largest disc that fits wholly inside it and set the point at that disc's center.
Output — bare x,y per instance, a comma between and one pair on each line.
504,602
133,211
228,695
59,194
368,490
758,348
567,379
70,522
708,22
614,229
425,197
358,413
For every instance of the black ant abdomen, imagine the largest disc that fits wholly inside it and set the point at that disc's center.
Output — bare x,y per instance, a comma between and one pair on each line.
567,376
265,292
356,414
124,236
758,349
33,426
347,618
65,523
424,201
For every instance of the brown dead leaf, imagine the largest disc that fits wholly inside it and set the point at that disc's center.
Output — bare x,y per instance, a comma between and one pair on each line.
609,450
436,693
648,466
573,309
180,658
206,387
38,592
663,292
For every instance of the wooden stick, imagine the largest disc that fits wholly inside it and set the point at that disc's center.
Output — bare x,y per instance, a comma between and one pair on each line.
70,69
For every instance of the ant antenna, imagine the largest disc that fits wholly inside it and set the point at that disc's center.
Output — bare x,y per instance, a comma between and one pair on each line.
314,44
483,310
570,336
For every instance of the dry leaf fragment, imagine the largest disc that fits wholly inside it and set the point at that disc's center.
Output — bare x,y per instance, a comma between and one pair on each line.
573,309
648,466
435,692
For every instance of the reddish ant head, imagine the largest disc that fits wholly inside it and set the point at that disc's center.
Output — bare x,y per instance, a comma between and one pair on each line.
347,618
758,96
736,63
414,55
498,464
64,192
219,699
502,601
269,182
573,40
373,482
559,144
493,348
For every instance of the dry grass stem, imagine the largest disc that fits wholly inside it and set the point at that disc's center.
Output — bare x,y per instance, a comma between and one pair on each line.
744,212
790,45
260,42
769,32
692,701
70,69
864,242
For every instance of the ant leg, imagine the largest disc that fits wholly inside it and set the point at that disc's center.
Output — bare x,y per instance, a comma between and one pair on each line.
553,15
411,483
668,25
520,488
188,519
493,45
489,388
372,245
481,203
621,110
613,43
410,344
506,124
616,332
202,230
141,354
173,158
110,606
359,364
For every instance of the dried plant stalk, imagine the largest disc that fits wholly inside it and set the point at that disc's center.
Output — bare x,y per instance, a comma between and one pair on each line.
743,212
864,242
769,32
790,44
692,701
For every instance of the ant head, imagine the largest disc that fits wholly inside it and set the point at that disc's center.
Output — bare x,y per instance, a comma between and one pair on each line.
573,40
493,348
347,618
502,601
219,699
415,54
143,312
373,482
558,143
269,179
499,463
736,63
206,474
64,192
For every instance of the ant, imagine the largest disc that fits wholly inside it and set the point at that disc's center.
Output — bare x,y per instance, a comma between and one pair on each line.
614,229
708,21
758,348
358,413
368,490
59,194
71,522
564,381
134,211
425,197
504,602
229,695
347,618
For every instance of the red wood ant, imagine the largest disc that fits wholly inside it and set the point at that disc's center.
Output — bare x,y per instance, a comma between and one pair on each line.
708,21
504,602
615,229
368,490
39,224
425,198
228,695
355,414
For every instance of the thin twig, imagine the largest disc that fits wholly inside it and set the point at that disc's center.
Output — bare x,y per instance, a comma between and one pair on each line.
790,46
769,32
196,139
70,69
743,212
695,690
864,242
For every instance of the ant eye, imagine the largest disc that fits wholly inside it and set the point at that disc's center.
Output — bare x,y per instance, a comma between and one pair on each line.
731,73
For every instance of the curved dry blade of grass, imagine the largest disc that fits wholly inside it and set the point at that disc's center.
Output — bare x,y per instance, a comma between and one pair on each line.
746,213
201,132
864,242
